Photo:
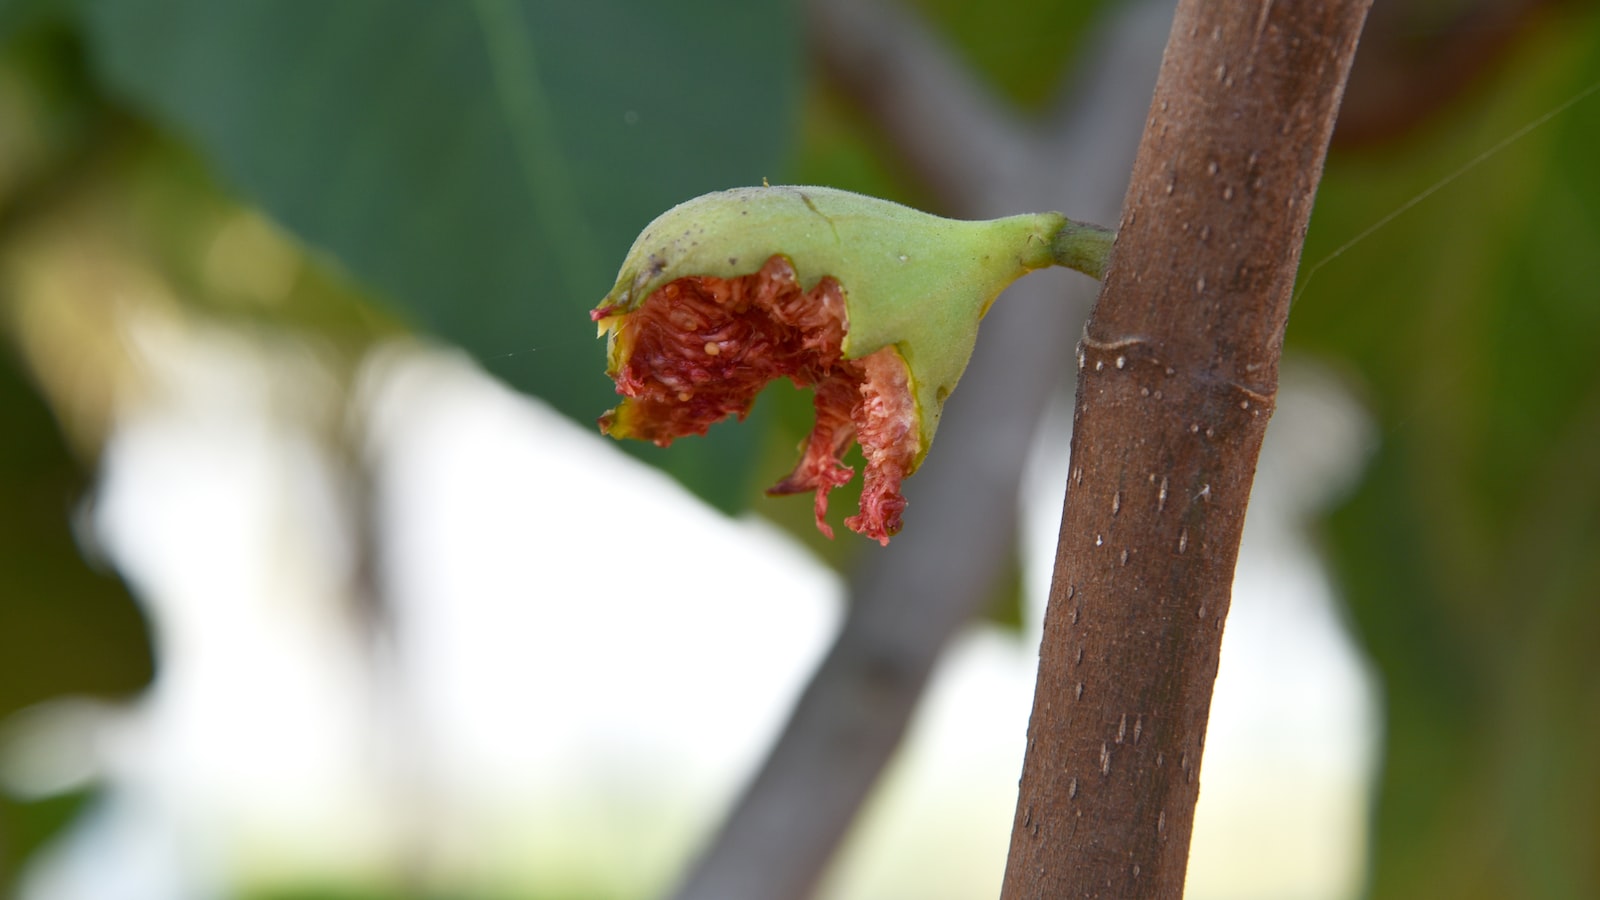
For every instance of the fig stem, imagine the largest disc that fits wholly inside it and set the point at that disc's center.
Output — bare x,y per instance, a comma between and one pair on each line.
1084,247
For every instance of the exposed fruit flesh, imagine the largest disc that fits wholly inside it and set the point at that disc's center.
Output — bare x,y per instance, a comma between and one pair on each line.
700,349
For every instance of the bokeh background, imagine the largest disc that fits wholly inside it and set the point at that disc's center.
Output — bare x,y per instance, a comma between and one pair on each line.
317,582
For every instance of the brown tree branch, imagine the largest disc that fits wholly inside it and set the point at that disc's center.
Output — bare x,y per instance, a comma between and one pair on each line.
1177,378
907,601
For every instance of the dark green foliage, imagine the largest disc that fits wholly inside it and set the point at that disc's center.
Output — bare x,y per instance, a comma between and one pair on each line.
1470,554
1020,46
484,166
65,629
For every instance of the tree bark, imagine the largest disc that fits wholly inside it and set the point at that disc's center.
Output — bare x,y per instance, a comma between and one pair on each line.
909,599
1178,372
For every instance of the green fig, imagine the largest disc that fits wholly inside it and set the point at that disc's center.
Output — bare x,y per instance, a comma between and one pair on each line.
873,304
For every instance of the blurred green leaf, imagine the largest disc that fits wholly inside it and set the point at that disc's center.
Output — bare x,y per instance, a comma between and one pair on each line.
64,628
27,826
1470,555
19,15
1020,46
483,165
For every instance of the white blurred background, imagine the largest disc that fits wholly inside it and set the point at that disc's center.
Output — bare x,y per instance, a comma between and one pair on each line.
581,663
